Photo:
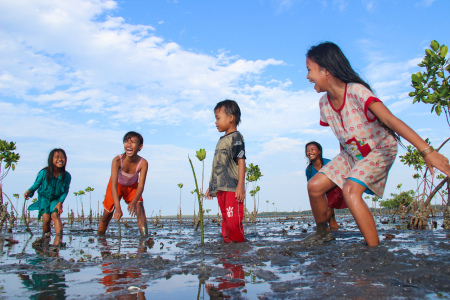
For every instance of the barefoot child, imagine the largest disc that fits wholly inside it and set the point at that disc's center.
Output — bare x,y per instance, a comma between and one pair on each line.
128,174
367,133
335,199
52,183
228,171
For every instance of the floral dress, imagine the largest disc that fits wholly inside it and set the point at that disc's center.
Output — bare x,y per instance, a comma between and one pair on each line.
369,148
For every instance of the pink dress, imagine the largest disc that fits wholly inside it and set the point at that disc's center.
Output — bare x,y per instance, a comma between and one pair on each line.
369,149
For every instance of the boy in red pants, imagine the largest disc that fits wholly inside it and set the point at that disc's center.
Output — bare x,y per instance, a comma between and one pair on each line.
228,171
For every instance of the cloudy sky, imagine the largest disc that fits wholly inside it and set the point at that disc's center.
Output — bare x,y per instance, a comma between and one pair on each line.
79,74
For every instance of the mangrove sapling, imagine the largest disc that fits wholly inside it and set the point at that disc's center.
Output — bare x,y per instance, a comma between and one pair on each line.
90,190
10,158
253,175
180,185
24,216
201,155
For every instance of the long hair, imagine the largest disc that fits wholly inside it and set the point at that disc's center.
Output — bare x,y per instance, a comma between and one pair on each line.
51,168
328,55
309,167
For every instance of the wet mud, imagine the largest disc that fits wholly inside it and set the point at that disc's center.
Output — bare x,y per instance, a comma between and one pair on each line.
272,264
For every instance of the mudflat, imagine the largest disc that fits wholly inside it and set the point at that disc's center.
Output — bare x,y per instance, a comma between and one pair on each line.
272,264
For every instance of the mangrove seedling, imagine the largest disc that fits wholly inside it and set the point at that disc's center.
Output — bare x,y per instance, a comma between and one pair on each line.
180,185
201,156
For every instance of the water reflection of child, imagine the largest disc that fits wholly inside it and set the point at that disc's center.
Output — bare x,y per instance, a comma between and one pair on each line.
313,151
228,171
52,184
366,131
48,286
124,183
237,272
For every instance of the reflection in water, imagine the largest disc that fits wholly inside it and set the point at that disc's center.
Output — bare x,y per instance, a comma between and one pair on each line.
234,280
118,279
49,286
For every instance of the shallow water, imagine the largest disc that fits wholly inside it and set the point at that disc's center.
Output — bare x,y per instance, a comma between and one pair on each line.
271,264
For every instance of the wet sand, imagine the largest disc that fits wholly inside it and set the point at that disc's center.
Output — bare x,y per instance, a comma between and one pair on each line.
272,264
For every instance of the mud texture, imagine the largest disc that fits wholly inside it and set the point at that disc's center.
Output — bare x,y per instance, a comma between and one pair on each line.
272,264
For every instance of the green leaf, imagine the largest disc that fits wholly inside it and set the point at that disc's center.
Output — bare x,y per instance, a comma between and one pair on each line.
414,78
438,110
412,94
443,52
13,167
434,45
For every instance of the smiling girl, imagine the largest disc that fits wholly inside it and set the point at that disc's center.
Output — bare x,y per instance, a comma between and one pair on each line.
52,184
367,133
313,151
128,174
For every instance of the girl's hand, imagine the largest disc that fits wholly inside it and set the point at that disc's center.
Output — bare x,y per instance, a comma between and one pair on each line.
27,195
118,214
240,193
132,208
439,161
59,207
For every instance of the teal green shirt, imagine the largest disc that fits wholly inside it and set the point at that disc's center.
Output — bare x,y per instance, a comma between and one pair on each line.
49,193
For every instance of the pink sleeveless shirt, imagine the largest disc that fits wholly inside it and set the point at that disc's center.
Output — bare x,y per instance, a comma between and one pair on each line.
126,179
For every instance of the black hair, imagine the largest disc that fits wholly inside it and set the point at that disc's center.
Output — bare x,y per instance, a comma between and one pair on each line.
328,55
131,134
309,167
51,168
231,108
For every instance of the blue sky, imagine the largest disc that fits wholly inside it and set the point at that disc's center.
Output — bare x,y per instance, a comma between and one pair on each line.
79,74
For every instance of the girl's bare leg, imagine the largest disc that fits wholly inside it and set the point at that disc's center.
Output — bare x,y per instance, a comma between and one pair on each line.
331,218
45,223
58,228
353,197
104,222
317,187
141,219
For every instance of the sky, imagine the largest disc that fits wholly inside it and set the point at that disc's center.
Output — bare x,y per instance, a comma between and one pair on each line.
79,74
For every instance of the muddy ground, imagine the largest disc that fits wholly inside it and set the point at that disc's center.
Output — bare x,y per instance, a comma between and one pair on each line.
272,264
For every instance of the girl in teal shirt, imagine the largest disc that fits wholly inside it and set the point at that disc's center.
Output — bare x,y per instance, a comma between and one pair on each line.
52,184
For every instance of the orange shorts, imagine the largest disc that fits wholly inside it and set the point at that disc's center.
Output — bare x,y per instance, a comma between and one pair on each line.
125,192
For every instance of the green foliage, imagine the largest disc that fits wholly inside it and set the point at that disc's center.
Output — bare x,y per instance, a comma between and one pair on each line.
253,173
413,158
432,86
16,196
201,154
180,185
89,189
34,200
8,156
397,200
255,191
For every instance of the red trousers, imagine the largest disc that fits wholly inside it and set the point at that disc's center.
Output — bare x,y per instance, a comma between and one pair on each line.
232,215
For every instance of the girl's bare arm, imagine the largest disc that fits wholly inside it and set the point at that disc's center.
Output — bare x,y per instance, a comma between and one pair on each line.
114,187
433,159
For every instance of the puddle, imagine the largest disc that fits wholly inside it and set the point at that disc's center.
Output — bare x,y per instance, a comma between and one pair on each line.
271,264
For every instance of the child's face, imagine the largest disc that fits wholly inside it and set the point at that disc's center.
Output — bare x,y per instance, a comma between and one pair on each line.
316,75
132,146
313,152
223,121
59,160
